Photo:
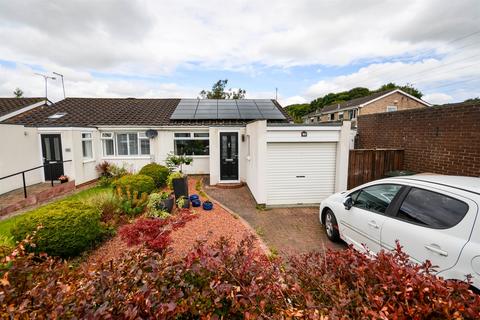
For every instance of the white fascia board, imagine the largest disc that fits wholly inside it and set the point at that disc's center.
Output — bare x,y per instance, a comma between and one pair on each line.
396,91
161,128
46,129
306,128
22,110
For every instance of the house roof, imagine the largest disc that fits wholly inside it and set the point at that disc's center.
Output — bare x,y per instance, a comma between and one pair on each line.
93,112
360,102
9,105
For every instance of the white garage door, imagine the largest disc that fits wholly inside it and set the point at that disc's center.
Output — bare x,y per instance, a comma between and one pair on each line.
300,173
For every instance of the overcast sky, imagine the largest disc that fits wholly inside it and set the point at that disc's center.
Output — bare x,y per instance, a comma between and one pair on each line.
305,48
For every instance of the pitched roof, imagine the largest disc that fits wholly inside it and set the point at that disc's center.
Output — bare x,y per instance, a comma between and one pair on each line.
92,112
9,105
355,102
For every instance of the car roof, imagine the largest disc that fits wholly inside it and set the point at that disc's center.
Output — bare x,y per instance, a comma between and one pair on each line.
471,184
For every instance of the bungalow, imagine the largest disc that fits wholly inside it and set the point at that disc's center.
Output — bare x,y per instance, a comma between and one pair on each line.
385,101
232,141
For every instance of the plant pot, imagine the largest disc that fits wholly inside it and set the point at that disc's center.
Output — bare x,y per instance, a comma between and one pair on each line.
167,204
180,187
207,205
196,203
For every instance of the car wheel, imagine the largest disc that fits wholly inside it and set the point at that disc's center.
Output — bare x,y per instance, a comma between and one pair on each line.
331,226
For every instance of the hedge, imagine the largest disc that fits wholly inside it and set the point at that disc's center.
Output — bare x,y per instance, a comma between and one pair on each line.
67,228
135,182
157,172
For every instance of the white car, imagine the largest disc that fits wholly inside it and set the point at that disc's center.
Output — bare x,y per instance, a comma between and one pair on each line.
433,217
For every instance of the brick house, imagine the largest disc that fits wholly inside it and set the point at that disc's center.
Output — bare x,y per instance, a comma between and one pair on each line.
385,101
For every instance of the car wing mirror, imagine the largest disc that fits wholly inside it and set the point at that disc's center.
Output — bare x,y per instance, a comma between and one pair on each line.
348,203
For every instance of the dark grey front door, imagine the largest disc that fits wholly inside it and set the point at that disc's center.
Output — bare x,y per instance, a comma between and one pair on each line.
228,156
52,156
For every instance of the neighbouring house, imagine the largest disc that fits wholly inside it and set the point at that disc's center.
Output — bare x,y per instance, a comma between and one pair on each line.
10,107
385,101
252,141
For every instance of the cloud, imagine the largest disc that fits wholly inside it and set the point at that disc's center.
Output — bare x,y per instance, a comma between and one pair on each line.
437,98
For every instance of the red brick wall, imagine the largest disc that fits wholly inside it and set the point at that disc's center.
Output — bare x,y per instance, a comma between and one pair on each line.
442,139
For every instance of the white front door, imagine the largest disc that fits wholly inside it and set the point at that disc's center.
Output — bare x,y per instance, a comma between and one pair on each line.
300,173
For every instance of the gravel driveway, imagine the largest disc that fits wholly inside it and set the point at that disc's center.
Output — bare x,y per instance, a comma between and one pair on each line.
287,230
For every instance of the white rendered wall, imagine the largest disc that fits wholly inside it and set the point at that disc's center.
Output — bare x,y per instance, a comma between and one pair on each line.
19,150
256,159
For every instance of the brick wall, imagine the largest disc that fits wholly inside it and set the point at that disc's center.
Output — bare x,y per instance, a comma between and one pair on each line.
442,139
402,102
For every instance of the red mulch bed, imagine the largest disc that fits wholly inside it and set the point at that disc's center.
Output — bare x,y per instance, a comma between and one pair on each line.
210,226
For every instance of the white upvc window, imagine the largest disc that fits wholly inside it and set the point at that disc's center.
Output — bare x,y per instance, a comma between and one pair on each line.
191,143
144,143
125,144
352,114
340,116
392,108
108,143
87,145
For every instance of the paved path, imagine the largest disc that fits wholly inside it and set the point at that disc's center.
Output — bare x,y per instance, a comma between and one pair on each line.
288,230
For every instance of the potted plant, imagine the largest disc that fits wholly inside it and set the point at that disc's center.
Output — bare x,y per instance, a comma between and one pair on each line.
162,201
63,179
179,181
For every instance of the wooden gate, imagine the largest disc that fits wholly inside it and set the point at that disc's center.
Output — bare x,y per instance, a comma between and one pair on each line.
366,165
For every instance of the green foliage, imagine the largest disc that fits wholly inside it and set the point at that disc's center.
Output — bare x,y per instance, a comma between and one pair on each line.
131,203
135,183
218,92
297,111
155,205
104,181
67,228
173,175
18,93
158,173
174,162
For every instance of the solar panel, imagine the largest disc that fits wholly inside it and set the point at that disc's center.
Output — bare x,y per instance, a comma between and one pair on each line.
211,109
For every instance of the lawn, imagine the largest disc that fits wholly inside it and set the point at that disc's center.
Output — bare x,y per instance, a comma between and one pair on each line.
7,224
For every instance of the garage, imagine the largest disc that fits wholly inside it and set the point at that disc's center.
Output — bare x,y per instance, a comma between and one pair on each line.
300,172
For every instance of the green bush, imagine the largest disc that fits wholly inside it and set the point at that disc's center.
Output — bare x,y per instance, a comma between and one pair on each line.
158,172
67,228
135,182
173,175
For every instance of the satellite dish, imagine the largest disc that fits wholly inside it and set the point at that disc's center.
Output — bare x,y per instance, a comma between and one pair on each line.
151,133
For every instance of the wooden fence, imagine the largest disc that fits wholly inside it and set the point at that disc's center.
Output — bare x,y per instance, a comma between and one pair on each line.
366,165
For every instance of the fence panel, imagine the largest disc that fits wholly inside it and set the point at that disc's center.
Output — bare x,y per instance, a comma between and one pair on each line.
366,165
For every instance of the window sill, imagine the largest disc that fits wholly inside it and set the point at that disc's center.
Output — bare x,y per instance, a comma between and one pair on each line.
207,156
88,160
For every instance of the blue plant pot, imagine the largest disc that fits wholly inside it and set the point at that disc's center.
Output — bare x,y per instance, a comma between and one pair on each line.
207,205
194,197
196,203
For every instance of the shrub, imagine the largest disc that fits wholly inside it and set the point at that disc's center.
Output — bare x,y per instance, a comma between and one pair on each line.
173,175
229,281
155,205
158,173
117,171
104,169
104,181
67,228
131,203
135,183
154,233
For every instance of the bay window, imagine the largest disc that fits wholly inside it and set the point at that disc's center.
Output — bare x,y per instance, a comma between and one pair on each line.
125,144
192,143
87,148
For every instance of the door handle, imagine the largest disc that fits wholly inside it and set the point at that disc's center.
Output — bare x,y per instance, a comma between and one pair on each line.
373,224
436,248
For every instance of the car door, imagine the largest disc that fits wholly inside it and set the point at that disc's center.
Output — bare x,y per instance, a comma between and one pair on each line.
431,225
361,225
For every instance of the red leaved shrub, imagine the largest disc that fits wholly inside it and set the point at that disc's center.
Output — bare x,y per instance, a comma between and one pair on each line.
349,284
154,233
231,282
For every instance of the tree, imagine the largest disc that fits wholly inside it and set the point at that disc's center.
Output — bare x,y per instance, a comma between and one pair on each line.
218,92
408,88
18,93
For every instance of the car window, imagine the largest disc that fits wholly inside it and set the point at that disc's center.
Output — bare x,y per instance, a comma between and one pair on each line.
432,209
376,198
